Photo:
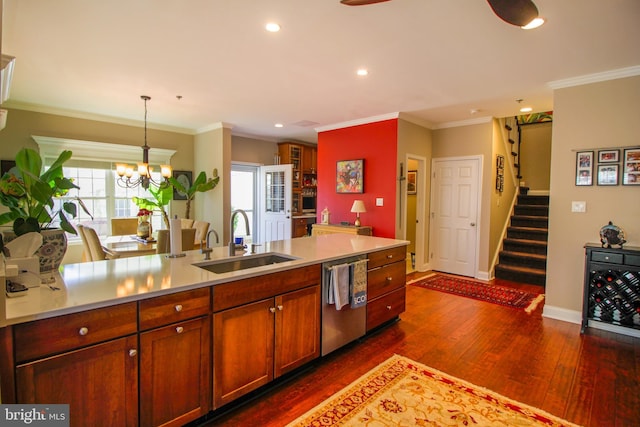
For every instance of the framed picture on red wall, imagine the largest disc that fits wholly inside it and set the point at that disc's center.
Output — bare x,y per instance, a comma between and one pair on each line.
350,176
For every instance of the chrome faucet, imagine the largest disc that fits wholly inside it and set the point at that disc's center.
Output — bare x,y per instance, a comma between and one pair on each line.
206,249
232,242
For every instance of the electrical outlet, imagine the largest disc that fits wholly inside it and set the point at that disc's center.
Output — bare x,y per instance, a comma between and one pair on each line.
379,201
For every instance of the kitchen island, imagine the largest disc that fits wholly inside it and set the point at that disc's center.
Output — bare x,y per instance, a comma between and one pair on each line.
156,340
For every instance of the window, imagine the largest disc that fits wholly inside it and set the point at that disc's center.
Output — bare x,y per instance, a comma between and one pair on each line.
104,199
243,196
92,167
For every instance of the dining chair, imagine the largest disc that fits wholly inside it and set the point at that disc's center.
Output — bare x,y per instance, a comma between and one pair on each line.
163,240
86,251
201,232
124,226
91,241
186,223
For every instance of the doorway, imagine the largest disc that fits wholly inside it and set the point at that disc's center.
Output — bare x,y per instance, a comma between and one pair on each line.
455,187
415,207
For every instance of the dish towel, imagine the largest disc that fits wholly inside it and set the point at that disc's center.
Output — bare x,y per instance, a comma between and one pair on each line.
339,285
359,284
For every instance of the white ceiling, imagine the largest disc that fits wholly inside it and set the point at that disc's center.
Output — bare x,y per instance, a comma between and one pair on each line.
433,61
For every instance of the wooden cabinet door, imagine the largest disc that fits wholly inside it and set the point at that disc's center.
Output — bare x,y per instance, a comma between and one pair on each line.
242,350
297,329
100,383
175,373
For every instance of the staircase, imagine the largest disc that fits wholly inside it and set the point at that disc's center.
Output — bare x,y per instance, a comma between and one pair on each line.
524,254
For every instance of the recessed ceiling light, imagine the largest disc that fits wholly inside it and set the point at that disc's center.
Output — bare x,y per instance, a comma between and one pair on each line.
279,125
362,72
526,109
272,27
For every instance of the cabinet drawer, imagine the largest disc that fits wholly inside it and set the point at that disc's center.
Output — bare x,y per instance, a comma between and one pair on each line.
172,308
632,260
385,308
606,257
385,279
377,259
62,333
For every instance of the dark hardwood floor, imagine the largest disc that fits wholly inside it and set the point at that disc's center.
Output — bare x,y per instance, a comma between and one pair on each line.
591,379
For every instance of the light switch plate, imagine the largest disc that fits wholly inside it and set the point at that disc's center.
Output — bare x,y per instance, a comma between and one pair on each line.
579,206
379,201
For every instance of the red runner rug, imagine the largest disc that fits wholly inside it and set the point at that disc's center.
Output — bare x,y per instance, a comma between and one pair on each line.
495,294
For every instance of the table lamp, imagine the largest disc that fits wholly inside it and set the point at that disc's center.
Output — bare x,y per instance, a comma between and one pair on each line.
358,206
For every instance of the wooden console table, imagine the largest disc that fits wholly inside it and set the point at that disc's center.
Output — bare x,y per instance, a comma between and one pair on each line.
319,229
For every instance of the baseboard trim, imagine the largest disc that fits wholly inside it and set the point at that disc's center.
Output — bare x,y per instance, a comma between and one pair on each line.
573,316
563,314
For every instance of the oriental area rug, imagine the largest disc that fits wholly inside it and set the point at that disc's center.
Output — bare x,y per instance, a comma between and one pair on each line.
502,295
401,392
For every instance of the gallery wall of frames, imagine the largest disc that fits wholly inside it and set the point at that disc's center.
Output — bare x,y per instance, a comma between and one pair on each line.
610,166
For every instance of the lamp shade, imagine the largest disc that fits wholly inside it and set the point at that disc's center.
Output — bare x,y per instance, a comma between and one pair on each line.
358,206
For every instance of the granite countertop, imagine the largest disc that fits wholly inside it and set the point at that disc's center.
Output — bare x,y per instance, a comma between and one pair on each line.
84,286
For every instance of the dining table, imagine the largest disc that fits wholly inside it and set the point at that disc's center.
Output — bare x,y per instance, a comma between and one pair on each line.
130,245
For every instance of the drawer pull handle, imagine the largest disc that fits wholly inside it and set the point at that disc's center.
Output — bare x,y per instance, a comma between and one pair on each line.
133,352
606,258
388,307
279,308
179,329
83,331
389,256
272,309
178,307
389,279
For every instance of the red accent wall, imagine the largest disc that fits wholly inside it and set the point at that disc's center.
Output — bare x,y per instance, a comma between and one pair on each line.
377,144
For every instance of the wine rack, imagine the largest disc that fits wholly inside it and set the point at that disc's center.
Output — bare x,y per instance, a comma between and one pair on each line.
612,286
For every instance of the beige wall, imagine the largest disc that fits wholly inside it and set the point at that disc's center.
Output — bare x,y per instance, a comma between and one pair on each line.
473,140
252,150
535,159
587,117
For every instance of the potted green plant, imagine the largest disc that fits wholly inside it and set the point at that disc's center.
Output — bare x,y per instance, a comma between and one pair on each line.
200,184
161,198
30,193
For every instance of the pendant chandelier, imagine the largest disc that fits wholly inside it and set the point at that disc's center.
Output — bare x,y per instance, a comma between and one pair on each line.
126,173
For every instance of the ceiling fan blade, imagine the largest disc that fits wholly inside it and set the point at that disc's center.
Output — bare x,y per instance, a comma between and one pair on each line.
360,2
515,12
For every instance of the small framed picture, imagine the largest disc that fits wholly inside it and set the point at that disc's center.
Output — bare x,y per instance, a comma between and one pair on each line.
584,168
412,182
608,156
631,167
185,178
608,174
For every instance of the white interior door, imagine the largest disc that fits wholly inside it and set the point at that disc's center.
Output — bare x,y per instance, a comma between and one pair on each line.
454,215
275,202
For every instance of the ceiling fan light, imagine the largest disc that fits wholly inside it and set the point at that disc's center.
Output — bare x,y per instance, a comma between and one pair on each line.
514,12
535,23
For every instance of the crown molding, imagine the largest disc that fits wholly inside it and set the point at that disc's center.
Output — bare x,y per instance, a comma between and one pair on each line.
214,126
470,122
37,108
596,77
357,122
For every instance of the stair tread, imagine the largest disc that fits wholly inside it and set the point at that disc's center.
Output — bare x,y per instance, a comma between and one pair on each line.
533,229
527,241
529,270
524,254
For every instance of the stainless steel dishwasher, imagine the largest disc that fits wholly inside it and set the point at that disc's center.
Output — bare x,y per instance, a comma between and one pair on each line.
340,327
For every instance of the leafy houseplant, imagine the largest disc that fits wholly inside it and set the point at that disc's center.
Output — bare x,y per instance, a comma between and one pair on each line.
161,198
30,193
200,184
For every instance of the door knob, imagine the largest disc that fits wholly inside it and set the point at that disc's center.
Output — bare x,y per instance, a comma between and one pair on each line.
473,224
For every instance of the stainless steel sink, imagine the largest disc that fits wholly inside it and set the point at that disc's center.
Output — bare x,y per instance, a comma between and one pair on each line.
243,262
